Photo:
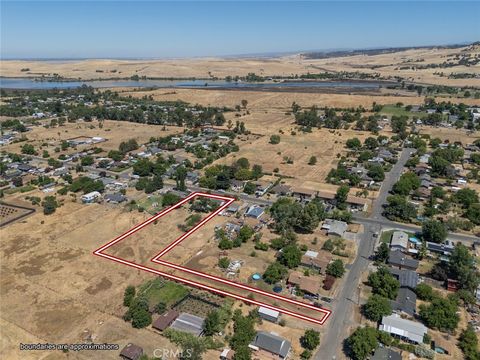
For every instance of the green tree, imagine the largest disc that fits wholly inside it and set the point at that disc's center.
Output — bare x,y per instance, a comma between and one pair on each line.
466,197
49,204
362,343
275,139
376,172
341,195
383,283
382,253
313,160
473,213
211,325
245,233
128,295
274,273
180,176
424,292
336,268
399,209
138,313
353,143
249,188
462,266
28,149
434,231
223,262
243,331
161,307
468,343
310,340
170,199
115,155
309,219
291,256
440,314
376,307
87,161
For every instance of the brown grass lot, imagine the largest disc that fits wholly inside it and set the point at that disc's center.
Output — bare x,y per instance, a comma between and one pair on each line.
52,287
287,65
113,131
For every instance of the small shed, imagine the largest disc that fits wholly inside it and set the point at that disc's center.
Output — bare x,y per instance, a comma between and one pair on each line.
131,352
268,314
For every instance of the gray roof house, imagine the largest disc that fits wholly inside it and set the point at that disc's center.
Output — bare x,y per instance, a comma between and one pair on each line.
254,212
405,329
400,260
335,227
189,323
272,343
443,249
406,302
399,241
407,278
382,353
116,198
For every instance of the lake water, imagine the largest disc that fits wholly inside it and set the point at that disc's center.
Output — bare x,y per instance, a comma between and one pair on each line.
22,83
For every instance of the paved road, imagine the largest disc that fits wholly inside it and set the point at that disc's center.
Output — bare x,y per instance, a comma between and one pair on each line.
387,224
337,327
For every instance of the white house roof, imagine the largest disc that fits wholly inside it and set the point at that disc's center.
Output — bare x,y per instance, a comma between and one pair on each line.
411,330
399,239
269,312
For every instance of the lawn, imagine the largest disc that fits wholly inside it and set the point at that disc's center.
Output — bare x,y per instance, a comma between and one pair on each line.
387,236
149,202
22,189
159,290
393,110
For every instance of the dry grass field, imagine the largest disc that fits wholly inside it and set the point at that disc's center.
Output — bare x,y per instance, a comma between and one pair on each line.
113,131
386,65
53,289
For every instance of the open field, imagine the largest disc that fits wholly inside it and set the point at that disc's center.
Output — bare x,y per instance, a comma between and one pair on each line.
113,131
386,64
55,290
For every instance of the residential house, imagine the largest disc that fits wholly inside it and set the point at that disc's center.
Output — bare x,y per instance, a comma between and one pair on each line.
262,188
165,320
131,352
268,314
254,211
407,330
444,249
355,203
304,283
302,194
399,241
281,190
237,185
272,344
405,302
406,278
115,198
91,197
189,323
312,260
401,261
335,227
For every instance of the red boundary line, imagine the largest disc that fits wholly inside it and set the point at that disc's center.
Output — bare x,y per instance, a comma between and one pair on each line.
99,252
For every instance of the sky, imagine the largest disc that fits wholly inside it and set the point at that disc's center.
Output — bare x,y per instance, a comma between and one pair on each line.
157,29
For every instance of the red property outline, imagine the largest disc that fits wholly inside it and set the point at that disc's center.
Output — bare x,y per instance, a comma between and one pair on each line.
156,259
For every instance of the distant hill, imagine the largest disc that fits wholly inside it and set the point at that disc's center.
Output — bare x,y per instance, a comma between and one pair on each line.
378,51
